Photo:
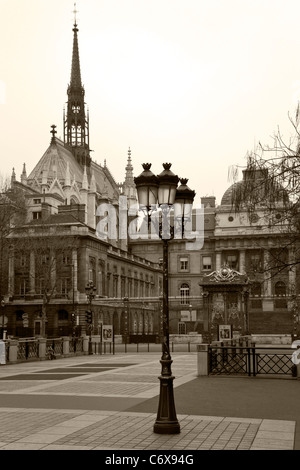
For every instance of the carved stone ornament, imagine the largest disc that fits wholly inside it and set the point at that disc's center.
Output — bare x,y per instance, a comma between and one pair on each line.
225,274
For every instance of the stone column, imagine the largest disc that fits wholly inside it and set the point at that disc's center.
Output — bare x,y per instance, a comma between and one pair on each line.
74,270
267,300
218,260
53,268
42,348
292,270
66,345
11,273
267,275
242,263
32,272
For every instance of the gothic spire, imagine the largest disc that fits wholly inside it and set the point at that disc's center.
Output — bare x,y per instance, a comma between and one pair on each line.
76,121
75,70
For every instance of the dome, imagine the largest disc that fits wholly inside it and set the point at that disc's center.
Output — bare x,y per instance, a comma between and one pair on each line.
257,184
228,195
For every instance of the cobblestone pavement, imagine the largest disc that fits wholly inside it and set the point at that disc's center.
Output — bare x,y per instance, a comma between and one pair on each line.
109,385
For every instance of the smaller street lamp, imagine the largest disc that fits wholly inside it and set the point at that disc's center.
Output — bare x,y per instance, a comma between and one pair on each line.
190,309
90,290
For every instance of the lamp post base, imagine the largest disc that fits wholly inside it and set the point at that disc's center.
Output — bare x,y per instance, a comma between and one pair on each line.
166,421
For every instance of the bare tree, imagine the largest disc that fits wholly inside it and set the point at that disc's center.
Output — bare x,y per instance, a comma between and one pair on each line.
269,193
43,262
12,214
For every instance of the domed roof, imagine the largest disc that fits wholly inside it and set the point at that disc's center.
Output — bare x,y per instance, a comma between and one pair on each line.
256,184
227,199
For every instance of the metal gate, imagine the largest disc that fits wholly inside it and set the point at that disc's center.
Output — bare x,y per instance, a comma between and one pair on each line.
250,361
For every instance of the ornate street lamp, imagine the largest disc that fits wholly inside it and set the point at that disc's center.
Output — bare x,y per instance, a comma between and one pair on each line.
184,198
90,290
161,190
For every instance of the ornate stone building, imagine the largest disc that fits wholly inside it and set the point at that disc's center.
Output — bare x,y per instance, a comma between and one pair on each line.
58,250
52,257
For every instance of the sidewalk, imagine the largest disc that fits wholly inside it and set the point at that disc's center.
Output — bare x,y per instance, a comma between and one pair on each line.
110,403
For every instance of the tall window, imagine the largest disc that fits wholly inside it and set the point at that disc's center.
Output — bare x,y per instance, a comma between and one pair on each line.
184,264
206,263
255,261
92,270
280,295
64,285
23,286
256,301
181,328
232,261
184,294
40,285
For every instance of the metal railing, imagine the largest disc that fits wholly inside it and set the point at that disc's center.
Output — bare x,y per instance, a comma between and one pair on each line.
76,345
28,349
250,361
56,344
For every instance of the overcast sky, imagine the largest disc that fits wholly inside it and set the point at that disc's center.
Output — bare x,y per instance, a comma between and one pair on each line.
192,82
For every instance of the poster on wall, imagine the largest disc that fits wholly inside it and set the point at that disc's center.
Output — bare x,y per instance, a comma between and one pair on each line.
224,332
107,333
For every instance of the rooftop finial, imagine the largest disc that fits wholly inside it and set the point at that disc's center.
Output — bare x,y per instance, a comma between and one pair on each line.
53,132
75,11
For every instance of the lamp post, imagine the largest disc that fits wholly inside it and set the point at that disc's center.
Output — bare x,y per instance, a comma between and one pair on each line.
90,290
190,311
3,317
126,324
160,191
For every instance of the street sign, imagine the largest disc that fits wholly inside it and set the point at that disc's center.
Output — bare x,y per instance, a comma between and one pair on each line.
107,333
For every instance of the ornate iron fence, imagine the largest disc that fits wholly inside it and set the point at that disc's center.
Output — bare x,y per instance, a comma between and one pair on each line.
76,345
56,344
250,361
28,349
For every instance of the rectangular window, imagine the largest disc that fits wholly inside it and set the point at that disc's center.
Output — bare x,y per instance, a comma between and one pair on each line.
41,286
44,259
37,201
181,328
232,261
184,264
255,261
23,286
64,285
36,215
66,259
206,262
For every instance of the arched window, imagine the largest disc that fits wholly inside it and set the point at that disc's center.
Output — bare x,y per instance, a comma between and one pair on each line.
184,294
63,315
280,289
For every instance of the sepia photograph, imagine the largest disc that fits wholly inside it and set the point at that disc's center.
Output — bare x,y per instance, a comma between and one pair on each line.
149,228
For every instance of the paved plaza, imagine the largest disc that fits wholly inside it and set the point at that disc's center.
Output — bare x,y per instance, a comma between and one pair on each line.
109,402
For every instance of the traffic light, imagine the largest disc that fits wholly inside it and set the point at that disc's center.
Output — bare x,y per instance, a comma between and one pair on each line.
88,316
